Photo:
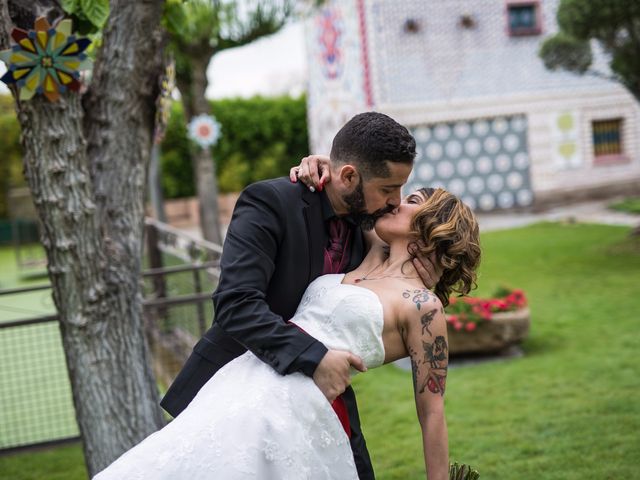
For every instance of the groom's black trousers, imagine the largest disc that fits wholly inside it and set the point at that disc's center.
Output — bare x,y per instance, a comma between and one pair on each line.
363,462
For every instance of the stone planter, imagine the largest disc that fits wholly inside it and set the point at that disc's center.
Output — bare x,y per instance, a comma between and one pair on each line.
504,330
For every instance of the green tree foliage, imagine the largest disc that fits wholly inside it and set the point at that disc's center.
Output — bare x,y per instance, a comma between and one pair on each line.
261,138
89,16
613,24
10,153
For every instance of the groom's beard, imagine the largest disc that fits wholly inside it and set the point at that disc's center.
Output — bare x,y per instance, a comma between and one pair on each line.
358,209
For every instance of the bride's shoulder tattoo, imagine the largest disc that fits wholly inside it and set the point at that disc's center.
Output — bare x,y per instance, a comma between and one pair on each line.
420,297
424,301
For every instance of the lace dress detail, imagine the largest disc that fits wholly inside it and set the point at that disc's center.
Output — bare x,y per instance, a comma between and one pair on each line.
249,422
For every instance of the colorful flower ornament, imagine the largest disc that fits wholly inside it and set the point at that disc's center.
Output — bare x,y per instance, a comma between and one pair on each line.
45,60
204,130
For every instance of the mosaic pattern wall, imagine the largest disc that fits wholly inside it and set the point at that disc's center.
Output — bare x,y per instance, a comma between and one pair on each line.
441,59
336,70
484,161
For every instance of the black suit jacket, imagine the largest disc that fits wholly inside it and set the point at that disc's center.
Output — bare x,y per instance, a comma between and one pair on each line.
273,250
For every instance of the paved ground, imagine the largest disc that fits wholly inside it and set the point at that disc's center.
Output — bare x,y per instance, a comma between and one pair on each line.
587,212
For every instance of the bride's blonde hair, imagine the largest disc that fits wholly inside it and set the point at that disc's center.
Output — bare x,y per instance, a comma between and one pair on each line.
448,227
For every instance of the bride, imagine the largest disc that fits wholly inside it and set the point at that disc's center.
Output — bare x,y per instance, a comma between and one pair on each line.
249,422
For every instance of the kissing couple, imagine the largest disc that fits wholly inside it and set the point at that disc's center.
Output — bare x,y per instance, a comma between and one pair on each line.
316,285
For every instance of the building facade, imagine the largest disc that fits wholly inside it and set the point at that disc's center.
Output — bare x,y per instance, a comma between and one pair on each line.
492,124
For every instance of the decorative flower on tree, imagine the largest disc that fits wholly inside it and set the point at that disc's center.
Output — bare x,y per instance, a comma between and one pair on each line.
45,60
204,130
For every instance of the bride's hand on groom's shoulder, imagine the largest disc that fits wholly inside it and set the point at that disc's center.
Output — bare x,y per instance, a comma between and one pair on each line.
332,375
314,171
428,268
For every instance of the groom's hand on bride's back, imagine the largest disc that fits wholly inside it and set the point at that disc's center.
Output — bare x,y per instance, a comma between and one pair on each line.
332,375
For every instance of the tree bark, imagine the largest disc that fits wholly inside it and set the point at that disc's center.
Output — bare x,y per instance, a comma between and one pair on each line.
204,168
5,25
87,172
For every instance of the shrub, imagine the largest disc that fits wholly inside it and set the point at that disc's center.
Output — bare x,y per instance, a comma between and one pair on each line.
10,155
467,312
261,138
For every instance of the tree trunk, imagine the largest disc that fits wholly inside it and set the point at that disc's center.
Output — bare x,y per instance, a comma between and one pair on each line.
204,169
155,187
87,173
207,188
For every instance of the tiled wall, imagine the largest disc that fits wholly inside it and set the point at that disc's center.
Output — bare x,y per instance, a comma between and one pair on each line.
483,161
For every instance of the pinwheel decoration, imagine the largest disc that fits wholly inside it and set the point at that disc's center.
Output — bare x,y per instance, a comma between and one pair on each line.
45,60
204,130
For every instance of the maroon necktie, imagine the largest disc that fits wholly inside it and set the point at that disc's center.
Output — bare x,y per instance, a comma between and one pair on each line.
335,260
335,254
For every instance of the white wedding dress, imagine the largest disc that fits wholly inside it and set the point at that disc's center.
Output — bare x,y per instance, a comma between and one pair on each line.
249,422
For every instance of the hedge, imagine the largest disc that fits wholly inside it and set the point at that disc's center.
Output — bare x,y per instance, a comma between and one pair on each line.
10,154
261,138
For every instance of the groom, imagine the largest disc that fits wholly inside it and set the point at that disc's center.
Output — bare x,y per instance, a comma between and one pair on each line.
281,237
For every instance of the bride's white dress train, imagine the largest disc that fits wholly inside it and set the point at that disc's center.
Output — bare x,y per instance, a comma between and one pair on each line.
249,422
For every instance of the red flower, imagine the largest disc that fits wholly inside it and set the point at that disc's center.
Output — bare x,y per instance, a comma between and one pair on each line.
457,326
474,310
470,327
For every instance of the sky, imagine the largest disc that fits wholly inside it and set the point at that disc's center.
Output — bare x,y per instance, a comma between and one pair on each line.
269,66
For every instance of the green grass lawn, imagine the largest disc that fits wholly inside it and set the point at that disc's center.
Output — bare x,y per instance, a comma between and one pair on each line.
27,305
33,376
569,409
628,205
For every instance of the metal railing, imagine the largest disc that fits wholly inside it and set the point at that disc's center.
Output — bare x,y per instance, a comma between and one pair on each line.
36,406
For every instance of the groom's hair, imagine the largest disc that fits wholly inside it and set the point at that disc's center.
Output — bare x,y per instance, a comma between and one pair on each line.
371,139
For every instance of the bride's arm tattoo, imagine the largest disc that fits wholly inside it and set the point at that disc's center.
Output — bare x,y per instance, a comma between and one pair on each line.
436,355
426,320
429,362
